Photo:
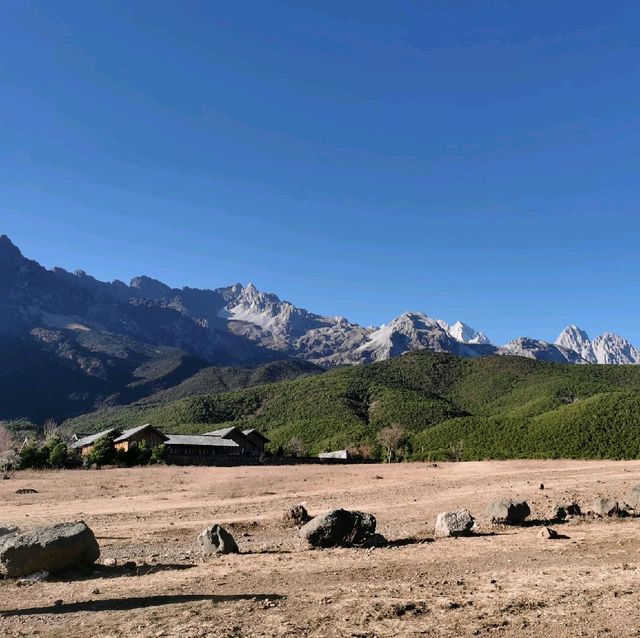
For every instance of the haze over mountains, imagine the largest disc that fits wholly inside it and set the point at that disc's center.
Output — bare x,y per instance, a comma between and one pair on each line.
67,339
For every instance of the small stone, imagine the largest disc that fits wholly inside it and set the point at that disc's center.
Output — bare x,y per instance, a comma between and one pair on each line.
216,540
603,506
563,510
459,523
509,512
547,533
296,516
633,497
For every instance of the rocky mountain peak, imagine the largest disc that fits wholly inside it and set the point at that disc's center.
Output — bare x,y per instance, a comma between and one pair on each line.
614,349
9,253
464,333
150,287
541,350
576,339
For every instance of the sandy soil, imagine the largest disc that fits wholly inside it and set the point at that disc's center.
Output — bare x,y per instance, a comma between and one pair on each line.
502,582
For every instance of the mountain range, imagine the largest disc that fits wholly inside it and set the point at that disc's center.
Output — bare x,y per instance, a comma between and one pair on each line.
70,343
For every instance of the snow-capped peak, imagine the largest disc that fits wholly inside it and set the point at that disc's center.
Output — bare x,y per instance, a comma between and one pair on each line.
464,333
612,348
577,340
607,348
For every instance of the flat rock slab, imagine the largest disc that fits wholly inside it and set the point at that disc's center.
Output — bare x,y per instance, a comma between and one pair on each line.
339,528
50,548
459,523
216,540
509,512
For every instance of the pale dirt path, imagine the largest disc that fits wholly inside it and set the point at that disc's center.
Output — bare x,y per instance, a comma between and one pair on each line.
507,584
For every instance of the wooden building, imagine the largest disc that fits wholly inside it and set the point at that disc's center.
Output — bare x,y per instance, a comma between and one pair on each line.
183,448
257,441
251,442
197,448
84,443
145,432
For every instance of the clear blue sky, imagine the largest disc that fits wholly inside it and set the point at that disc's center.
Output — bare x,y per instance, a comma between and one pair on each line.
474,160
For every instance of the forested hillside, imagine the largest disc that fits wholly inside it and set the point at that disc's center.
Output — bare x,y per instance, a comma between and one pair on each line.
493,407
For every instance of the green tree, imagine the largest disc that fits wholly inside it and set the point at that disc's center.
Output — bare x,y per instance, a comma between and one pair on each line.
103,452
159,453
32,456
58,452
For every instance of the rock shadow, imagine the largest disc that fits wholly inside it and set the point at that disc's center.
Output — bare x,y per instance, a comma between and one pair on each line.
134,602
116,571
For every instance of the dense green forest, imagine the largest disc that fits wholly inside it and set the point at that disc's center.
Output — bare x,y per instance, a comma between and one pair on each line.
448,407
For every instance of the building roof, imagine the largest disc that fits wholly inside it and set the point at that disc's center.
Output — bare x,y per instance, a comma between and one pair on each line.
92,438
221,433
127,434
199,439
256,433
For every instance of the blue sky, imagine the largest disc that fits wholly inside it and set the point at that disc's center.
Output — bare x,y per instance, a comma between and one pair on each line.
474,160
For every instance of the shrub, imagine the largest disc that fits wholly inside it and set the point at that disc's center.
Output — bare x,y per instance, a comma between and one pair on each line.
33,457
9,462
103,452
159,454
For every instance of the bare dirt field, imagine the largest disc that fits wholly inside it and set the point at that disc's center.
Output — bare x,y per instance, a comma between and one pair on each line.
502,582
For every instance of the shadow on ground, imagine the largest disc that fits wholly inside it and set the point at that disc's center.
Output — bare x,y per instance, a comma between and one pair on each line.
116,571
135,602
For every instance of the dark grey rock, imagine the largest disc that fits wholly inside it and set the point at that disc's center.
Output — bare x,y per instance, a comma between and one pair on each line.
339,528
49,549
459,523
564,510
7,529
509,512
216,540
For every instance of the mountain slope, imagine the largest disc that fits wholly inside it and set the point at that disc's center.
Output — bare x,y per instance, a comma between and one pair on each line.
81,343
499,406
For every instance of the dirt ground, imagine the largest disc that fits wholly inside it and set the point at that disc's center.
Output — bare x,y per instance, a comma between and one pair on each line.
501,582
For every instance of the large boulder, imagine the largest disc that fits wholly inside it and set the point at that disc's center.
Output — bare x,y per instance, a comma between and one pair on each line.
216,540
339,528
633,498
564,510
509,512
48,549
603,506
459,523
